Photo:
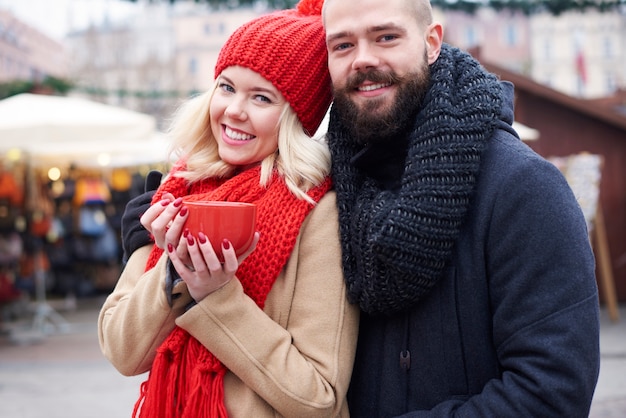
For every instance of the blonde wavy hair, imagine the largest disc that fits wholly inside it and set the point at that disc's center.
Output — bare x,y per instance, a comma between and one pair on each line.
302,161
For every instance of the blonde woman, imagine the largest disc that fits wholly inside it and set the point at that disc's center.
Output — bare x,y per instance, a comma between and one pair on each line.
270,333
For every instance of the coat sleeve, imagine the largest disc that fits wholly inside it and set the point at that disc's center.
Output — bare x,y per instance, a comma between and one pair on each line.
543,295
137,316
299,359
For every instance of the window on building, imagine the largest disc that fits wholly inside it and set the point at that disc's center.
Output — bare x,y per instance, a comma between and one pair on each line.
607,47
470,36
611,85
580,86
547,50
510,34
193,66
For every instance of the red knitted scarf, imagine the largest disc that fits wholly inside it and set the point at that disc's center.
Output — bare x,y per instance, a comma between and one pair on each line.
186,380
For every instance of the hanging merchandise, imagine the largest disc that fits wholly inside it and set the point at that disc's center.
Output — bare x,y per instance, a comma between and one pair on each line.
121,180
8,215
91,190
92,220
97,249
40,222
9,188
8,291
11,199
105,247
39,208
10,249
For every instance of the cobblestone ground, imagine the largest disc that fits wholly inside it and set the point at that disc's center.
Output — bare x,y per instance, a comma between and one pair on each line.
62,374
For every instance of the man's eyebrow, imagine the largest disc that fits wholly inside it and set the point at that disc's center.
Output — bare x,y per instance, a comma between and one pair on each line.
372,29
386,26
338,35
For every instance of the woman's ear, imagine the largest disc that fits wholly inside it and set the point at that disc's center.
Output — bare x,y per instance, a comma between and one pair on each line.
434,39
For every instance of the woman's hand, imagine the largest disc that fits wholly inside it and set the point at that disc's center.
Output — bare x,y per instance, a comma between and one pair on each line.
165,220
206,273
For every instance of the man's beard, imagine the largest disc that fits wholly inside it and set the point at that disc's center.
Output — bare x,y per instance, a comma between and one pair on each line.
377,121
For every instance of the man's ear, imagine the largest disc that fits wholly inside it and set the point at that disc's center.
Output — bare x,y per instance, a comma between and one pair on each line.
434,39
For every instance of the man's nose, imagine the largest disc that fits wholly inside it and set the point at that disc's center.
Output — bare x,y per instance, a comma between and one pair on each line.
365,57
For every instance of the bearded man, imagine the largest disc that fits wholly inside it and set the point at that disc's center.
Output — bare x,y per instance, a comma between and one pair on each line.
465,250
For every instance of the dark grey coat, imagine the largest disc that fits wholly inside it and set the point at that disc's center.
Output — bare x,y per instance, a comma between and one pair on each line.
511,329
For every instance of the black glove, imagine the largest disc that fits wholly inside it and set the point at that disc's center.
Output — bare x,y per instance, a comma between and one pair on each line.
134,235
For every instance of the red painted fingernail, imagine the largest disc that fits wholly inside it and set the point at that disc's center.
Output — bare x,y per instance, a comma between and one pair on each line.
190,239
170,248
183,211
186,232
178,202
226,244
165,202
201,237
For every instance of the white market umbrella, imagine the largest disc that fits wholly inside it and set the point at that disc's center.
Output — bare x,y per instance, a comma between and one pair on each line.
63,130
525,133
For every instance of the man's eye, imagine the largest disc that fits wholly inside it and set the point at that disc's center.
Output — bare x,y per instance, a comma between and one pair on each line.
342,46
387,38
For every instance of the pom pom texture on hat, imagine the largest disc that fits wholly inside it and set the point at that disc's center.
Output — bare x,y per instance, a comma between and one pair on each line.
288,48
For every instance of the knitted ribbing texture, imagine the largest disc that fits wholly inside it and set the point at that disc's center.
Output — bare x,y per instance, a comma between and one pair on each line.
396,243
288,48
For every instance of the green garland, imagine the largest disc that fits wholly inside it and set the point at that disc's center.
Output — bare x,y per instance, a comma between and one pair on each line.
528,7
52,84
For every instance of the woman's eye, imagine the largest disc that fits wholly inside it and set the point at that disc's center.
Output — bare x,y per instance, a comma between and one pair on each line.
226,87
262,98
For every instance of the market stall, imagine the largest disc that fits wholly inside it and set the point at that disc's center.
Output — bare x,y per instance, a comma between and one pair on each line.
62,152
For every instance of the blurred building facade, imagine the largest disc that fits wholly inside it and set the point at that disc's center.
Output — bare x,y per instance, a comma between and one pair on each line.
502,37
28,54
582,54
129,64
199,36
151,62
166,52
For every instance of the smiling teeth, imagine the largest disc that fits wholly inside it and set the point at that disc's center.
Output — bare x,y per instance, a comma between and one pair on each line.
237,136
373,87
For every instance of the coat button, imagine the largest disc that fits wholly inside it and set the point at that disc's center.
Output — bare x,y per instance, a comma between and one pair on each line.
405,360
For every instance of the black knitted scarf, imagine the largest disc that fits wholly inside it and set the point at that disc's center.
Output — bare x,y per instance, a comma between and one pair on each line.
397,241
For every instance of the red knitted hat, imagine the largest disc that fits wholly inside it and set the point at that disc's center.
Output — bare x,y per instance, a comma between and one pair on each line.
288,48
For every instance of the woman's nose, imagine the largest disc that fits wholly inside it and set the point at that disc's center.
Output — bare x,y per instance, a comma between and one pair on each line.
236,110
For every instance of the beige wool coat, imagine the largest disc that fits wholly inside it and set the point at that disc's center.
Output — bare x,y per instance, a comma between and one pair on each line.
292,359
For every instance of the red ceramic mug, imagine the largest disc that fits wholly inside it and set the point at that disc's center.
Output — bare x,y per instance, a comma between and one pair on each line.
234,221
